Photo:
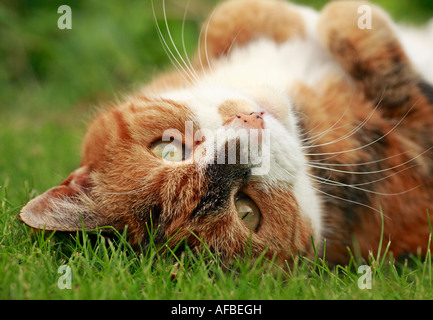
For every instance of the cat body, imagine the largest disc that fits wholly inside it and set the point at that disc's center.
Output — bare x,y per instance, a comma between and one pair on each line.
341,118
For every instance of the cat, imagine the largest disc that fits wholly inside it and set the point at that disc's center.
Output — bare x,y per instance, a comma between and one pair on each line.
337,153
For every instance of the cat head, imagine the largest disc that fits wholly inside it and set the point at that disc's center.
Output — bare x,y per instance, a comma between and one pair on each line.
202,164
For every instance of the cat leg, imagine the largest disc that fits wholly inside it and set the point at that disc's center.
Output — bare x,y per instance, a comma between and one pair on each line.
236,22
362,37
383,72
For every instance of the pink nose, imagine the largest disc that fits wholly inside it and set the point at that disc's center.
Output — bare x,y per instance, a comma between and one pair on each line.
253,120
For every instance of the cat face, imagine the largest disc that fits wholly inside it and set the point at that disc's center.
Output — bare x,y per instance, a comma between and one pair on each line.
202,164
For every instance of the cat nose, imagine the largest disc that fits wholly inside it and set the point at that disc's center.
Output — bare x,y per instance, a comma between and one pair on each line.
253,120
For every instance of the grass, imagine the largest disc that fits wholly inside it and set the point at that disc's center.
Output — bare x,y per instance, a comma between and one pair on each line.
107,268
50,81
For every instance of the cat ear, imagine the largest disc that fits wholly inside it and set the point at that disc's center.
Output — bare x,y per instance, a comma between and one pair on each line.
67,207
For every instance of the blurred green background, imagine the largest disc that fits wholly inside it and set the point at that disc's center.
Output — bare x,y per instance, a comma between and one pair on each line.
51,79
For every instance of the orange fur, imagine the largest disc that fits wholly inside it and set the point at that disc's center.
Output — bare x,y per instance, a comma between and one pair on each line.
121,183
237,22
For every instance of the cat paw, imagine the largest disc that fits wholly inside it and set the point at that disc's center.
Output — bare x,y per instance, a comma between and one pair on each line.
361,37
236,22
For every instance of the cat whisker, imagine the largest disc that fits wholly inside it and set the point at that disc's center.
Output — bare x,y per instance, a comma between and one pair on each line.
312,139
320,162
184,73
318,136
357,128
350,201
200,58
365,145
188,60
340,184
377,180
183,41
350,133
173,62
232,44
371,172
205,42
190,69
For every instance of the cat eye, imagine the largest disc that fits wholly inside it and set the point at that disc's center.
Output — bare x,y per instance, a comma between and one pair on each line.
169,150
248,211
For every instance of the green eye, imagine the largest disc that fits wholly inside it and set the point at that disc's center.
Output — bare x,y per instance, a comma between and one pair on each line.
248,211
169,150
